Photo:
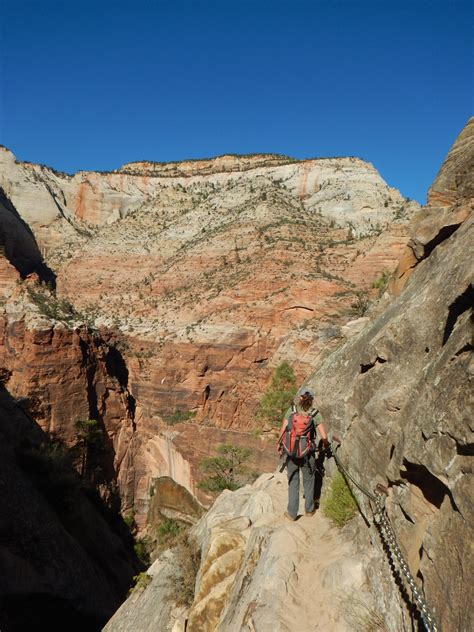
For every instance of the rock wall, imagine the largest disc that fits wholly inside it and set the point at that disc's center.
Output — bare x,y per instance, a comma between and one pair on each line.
65,560
66,373
210,273
400,394
57,206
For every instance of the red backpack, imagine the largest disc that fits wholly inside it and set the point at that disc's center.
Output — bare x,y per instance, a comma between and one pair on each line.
299,434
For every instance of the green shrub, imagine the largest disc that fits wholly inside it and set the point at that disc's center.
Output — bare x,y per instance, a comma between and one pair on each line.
179,416
227,470
51,306
360,304
381,283
339,505
129,520
188,560
89,442
167,531
279,395
142,550
141,581
360,616
51,465
217,484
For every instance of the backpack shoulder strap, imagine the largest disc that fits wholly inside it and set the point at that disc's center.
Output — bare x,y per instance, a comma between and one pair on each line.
314,414
289,425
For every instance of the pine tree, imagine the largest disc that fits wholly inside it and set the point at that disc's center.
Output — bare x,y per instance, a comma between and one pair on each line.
226,470
89,438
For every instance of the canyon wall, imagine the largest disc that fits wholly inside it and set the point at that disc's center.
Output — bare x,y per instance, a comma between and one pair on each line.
198,279
399,394
66,560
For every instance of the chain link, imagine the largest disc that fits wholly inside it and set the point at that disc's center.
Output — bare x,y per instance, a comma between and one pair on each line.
382,520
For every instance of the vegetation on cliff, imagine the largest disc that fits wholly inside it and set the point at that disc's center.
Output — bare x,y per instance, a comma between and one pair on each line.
227,470
339,504
279,395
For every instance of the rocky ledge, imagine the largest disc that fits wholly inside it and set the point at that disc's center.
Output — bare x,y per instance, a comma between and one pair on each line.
258,572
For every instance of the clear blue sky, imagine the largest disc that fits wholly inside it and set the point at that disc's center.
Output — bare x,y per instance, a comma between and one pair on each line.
92,85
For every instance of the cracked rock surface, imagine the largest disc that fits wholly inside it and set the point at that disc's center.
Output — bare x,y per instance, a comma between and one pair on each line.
258,571
400,395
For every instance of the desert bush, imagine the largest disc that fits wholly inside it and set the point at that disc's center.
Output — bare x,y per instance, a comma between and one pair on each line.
129,520
49,305
339,504
381,282
51,465
89,441
167,531
360,304
360,616
142,550
279,395
187,562
179,416
141,581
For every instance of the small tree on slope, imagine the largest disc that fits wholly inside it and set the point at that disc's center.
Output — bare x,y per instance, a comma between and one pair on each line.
279,395
225,470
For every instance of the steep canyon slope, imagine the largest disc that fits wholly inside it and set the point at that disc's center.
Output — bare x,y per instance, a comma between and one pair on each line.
199,278
399,394
66,561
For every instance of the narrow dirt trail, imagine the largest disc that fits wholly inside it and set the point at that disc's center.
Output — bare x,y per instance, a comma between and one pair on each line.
327,572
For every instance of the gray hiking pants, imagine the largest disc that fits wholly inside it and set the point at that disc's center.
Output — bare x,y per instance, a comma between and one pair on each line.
308,468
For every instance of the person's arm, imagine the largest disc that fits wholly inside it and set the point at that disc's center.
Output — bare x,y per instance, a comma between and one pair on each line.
324,434
322,430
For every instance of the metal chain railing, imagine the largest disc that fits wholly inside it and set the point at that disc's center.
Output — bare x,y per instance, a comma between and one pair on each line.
382,520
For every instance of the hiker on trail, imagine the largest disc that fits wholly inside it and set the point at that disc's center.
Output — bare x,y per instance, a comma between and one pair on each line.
298,442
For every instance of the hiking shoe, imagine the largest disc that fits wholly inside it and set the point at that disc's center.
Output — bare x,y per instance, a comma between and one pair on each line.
289,516
311,513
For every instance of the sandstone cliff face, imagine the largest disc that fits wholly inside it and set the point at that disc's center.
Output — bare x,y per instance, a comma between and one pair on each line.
455,179
449,204
206,166
65,562
211,273
19,251
399,393
401,396
56,205
258,572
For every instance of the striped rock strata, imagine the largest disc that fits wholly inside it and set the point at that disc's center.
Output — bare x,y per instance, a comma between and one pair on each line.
209,274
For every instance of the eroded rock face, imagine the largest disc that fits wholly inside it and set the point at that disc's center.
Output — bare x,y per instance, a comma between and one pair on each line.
212,273
56,205
400,394
64,564
68,373
258,571
455,179
450,202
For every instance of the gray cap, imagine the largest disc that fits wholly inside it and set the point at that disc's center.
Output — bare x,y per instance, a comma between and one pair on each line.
304,390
